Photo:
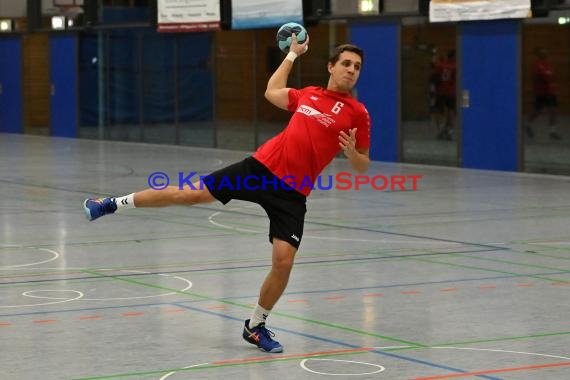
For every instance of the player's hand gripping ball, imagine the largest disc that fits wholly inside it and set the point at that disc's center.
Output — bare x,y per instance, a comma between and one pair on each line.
284,35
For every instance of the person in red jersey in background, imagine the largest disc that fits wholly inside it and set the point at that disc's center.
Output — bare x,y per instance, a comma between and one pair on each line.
545,90
446,72
324,121
435,110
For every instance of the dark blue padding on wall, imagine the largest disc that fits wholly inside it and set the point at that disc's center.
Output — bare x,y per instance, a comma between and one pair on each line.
11,98
378,86
63,76
490,72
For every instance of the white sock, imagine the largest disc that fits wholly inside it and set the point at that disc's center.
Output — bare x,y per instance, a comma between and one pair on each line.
126,202
258,316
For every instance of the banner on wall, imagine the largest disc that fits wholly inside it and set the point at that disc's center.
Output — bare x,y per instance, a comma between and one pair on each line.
188,15
249,14
471,10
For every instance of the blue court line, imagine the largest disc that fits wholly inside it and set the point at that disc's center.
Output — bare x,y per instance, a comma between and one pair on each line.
257,266
83,309
486,246
412,284
355,228
339,343
284,294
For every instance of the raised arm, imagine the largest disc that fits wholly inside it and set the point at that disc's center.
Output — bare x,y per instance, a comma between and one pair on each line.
277,91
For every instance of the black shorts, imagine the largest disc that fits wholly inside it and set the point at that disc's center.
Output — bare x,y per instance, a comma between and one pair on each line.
542,101
446,101
251,181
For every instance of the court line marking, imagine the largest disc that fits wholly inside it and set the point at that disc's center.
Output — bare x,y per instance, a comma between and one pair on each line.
304,366
383,240
61,300
55,257
188,282
252,267
203,297
341,343
350,349
237,362
497,350
287,294
479,268
185,368
240,321
149,285
500,370
240,305
29,293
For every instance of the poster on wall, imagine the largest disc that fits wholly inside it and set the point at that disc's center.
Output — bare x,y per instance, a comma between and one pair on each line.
188,15
251,14
470,10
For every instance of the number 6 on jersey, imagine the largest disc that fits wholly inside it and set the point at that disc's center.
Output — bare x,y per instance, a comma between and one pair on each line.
337,107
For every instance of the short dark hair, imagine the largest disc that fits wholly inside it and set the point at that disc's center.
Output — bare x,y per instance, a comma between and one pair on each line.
345,47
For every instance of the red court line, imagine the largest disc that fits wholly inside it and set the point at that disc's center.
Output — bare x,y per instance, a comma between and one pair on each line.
487,287
220,307
448,290
292,356
374,295
90,317
5,324
560,283
132,314
45,321
512,369
174,310
524,285
335,298
411,292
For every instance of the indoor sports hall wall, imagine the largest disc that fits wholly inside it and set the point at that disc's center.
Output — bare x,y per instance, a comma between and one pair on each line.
206,89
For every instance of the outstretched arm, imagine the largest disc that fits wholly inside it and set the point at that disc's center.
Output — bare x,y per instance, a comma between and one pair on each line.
277,92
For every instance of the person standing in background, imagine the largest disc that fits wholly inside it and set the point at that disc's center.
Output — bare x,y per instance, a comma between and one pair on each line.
447,75
545,90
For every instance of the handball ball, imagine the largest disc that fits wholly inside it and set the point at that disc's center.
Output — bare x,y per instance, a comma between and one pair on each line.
284,33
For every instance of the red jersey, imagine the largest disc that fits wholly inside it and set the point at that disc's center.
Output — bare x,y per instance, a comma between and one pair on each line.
543,75
310,140
447,72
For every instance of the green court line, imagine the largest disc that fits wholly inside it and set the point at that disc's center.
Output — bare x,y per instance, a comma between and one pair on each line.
477,341
128,241
537,266
540,254
486,269
221,365
503,339
199,262
271,360
243,306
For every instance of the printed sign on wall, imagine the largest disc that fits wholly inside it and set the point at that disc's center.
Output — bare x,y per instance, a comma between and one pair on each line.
188,15
470,10
249,14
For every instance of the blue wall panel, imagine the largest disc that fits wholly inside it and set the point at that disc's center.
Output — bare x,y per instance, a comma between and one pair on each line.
11,98
489,62
64,79
379,84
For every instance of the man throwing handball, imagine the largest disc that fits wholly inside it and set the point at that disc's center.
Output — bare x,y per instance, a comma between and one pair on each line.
324,121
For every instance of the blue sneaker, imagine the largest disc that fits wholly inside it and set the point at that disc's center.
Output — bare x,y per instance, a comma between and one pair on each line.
260,336
96,208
